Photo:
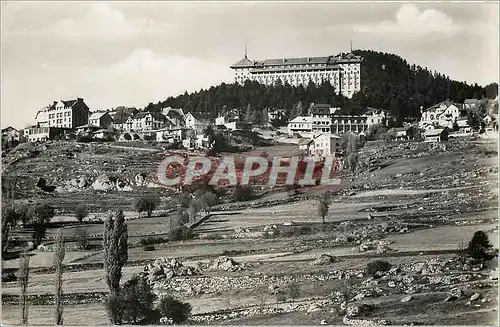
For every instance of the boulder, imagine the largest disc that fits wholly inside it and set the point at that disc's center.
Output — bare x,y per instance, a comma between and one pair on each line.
314,307
226,264
140,179
324,259
450,298
456,292
407,299
475,296
356,309
103,183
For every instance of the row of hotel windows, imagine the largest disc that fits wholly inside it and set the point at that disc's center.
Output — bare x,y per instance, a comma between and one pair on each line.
60,114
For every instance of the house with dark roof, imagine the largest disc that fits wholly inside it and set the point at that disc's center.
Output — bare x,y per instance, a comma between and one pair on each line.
11,134
197,121
174,114
436,135
101,119
63,114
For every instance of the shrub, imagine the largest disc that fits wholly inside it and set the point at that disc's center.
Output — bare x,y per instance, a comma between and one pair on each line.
174,309
80,212
243,193
378,265
10,277
82,238
147,204
479,246
152,241
149,248
133,304
181,233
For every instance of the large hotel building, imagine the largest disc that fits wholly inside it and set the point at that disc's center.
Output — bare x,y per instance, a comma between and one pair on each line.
343,71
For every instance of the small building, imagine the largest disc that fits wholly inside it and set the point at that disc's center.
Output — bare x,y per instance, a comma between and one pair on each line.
300,125
11,134
101,119
176,115
237,125
45,133
342,124
326,144
148,121
436,135
196,121
376,116
87,128
276,114
170,135
104,134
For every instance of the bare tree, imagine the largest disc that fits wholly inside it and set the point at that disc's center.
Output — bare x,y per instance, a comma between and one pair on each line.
115,250
59,253
324,205
462,252
194,208
207,200
24,265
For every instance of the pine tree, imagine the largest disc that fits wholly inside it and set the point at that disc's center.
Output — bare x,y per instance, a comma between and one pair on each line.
115,250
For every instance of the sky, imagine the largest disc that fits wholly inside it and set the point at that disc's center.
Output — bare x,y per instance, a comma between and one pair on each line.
133,53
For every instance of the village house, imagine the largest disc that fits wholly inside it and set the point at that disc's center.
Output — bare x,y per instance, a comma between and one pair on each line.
436,135
376,117
11,134
238,126
45,133
104,134
148,121
176,115
125,124
301,125
101,119
87,128
276,114
324,145
443,114
171,135
63,114
196,121
348,123
471,104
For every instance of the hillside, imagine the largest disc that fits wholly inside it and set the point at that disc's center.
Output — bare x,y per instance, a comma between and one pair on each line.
388,82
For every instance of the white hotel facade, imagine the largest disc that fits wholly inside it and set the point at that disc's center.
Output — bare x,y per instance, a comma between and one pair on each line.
343,71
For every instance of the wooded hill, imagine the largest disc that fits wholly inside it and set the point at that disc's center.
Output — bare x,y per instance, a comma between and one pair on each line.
388,82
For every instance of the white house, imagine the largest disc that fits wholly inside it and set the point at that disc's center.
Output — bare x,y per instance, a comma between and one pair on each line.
196,122
101,119
300,125
147,121
325,144
443,114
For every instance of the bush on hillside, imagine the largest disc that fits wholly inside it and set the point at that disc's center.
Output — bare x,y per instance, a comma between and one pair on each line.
480,247
175,310
181,233
377,266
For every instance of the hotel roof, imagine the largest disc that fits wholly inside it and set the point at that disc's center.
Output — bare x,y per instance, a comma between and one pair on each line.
323,61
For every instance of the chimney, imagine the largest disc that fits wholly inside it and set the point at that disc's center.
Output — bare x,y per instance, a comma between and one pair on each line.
283,60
